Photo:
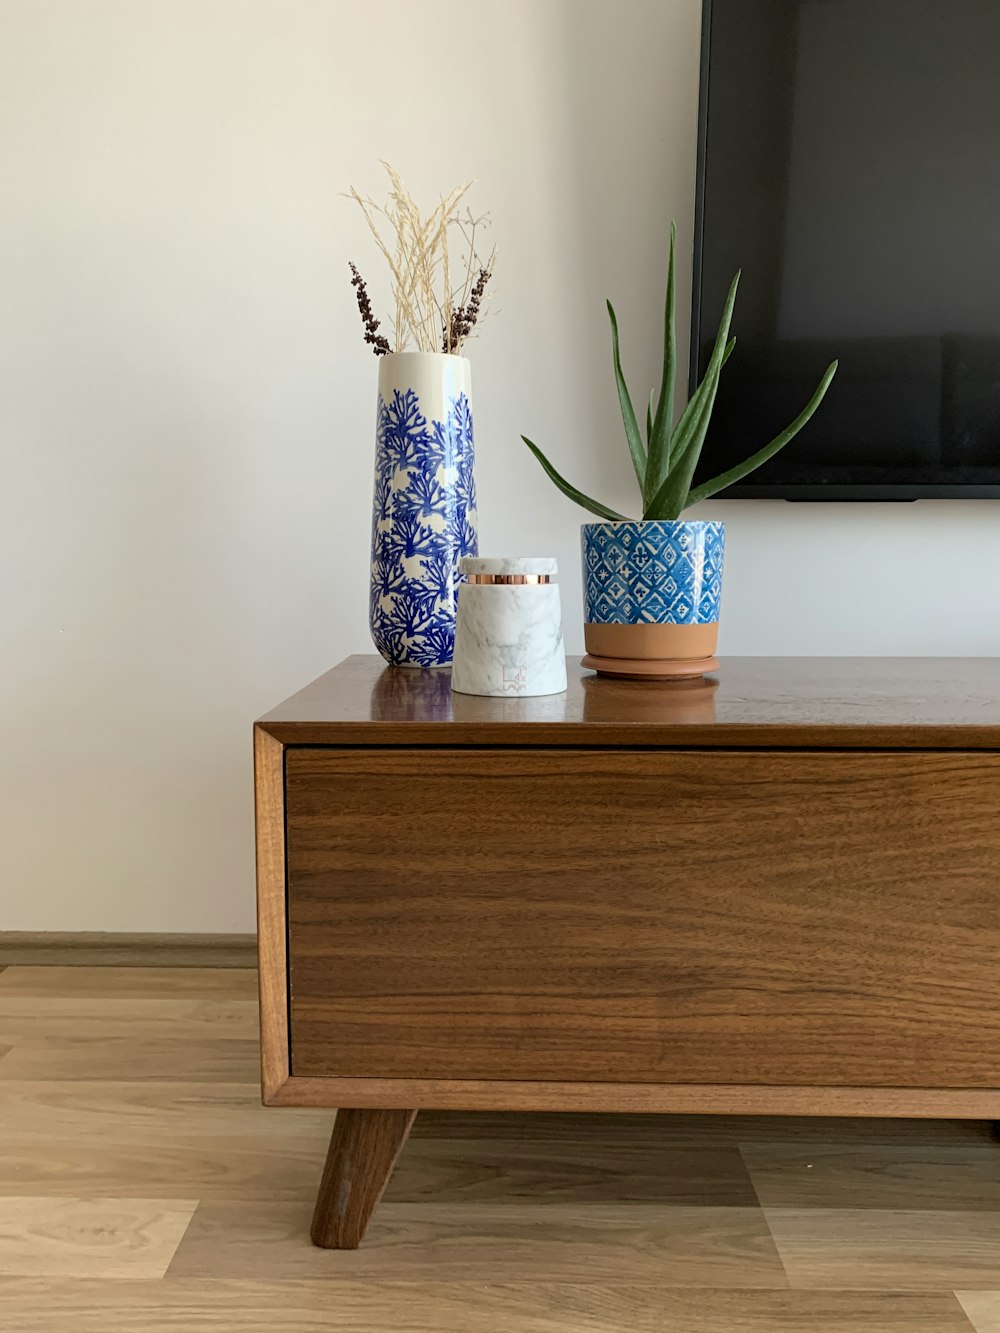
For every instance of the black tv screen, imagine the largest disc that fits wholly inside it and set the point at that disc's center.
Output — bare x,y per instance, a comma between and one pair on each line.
849,164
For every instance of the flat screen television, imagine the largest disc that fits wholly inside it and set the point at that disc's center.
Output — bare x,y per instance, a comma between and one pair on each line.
849,164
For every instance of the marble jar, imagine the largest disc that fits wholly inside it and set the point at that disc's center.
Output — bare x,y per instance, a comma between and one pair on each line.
508,633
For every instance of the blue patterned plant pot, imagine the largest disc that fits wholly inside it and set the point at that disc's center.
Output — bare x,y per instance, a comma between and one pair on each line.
651,596
424,513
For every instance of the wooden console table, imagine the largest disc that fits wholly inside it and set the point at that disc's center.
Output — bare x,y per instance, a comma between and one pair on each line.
773,892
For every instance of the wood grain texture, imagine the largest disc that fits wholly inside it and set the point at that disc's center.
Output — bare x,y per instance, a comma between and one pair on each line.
210,1140
722,917
88,1036
114,949
106,1238
597,1130
639,1098
504,1242
917,1176
137,983
870,702
428,1306
269,798
892,1249
615,1167
463,1242
189,1020
983,1309
363,1150
229,1060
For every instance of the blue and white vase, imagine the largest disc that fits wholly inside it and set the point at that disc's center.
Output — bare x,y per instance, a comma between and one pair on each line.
424,516
651,596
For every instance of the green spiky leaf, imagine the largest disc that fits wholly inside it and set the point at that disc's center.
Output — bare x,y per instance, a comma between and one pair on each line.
578,497
665,460
658,464
683,428
671,498
749,465
635,444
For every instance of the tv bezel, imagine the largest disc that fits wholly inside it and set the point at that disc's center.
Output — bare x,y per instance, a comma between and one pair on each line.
749,489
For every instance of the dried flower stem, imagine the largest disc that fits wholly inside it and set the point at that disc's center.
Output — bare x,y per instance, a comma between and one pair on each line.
465,317
380,345
416,250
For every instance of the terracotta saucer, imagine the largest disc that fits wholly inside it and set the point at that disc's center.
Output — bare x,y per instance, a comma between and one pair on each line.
629,668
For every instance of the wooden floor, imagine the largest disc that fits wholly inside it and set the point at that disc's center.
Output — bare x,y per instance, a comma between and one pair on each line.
144,1188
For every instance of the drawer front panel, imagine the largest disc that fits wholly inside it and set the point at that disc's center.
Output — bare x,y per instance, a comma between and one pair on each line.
772,917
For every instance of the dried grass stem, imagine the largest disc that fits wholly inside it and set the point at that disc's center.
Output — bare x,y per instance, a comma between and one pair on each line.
420,266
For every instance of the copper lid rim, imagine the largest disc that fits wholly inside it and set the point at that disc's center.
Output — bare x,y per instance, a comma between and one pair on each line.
508,578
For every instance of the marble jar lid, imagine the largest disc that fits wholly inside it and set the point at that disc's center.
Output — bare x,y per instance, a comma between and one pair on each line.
478,564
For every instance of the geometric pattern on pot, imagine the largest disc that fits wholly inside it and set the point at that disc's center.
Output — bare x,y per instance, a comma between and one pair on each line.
652,572
424,520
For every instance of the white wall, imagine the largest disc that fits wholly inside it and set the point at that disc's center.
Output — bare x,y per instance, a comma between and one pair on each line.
186,404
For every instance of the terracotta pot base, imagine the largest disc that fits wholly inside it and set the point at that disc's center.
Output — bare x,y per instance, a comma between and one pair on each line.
634,668
651,642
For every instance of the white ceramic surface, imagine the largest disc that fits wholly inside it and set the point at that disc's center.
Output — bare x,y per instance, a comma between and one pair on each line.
437,378
508,637
424,511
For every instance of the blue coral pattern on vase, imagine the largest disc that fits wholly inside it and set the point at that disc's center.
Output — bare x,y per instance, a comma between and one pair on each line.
424,520
652,572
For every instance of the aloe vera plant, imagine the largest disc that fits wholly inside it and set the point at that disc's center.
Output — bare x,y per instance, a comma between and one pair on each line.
666,458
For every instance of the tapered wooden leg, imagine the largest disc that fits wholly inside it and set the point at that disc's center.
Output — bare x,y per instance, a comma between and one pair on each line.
363,1150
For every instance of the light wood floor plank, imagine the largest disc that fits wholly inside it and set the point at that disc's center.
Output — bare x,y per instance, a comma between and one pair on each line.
484,1243
211,1060
887,1249
220,1142
108,1037
187,1025
141,983
193,1306
204,1140
128,1094
116,949
915,1176
95,1238
25,1018
983,1309
612,1170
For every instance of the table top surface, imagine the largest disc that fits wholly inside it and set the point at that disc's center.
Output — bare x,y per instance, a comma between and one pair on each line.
869,702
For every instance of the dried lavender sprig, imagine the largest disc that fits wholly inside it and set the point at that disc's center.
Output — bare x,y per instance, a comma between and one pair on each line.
477,296
380,345
463,319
